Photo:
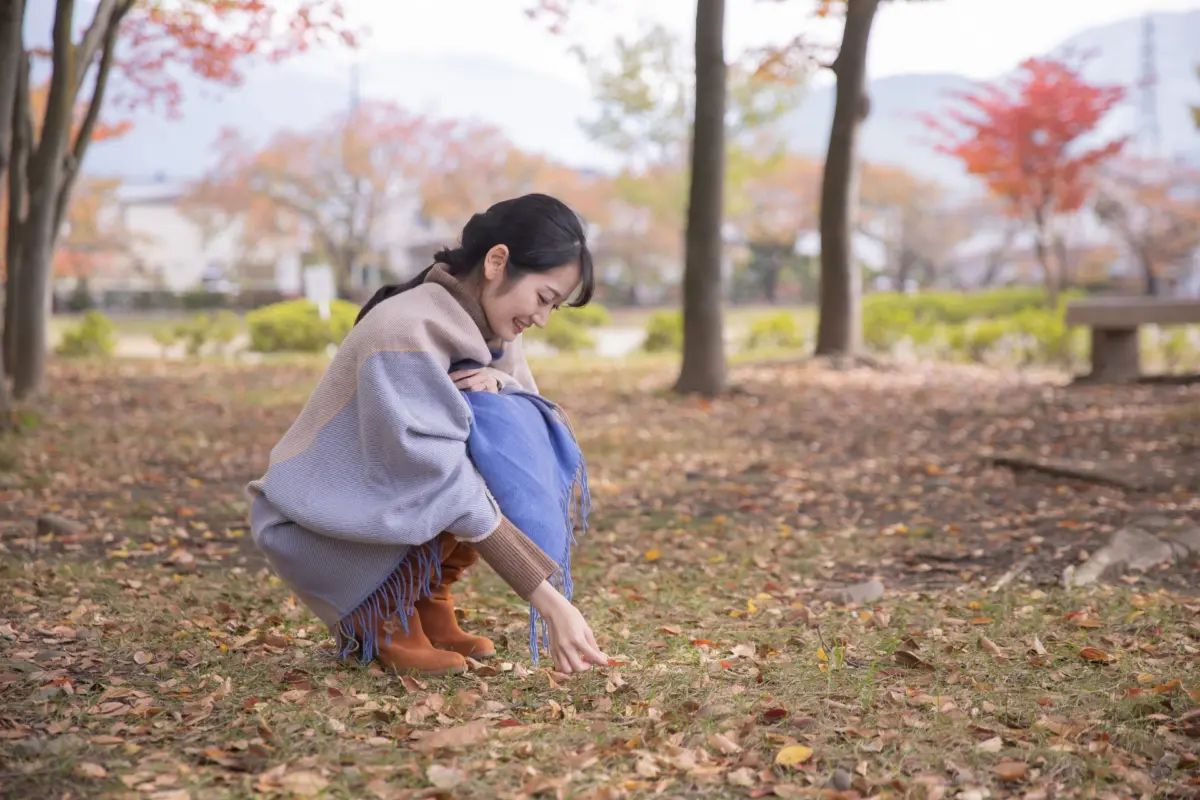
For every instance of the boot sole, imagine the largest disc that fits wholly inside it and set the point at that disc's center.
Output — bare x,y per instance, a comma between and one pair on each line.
476,656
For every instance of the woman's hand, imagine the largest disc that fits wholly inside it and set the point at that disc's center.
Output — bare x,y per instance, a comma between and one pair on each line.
478,380
572,644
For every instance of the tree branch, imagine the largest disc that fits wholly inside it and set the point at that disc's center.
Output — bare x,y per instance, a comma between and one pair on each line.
90,120
56,125
102,22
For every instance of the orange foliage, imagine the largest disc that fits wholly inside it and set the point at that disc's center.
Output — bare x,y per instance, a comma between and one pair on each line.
37,106
92,236
1023,139
340,181
1151,205
476,166
213,39
779,201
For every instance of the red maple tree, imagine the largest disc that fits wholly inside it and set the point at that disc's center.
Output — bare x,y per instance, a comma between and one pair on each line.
1023,139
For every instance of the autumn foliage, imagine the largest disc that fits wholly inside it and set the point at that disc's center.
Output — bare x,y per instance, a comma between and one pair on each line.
1023,140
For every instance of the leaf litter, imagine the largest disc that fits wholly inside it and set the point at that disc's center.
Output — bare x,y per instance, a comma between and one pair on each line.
147,649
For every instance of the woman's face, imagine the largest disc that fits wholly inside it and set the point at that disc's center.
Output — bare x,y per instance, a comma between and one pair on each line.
513,306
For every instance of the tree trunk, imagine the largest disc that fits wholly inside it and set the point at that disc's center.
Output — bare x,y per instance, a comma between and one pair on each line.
1045,259
1149,274
703,369
11,71
21,145
839,331
37,231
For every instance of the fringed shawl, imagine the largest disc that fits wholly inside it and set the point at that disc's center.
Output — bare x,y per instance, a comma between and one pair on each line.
387,454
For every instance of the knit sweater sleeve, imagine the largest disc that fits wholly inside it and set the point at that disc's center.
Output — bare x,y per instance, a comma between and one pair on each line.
516,559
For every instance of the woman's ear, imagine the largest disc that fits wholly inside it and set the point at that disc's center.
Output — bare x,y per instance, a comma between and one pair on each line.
495,263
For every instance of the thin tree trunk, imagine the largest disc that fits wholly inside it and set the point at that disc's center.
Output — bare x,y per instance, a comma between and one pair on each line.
1044,257
703,370
22,143
54,165
1149,274
11,71
37,231
839,330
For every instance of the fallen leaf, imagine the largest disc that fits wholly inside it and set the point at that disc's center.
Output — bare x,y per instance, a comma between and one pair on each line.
653,555
1010,770
720,741
1094,655
909,659
792,755
458,736
1038,647
992,745
303,783
444,777
89,770
991,647
742,777
142,658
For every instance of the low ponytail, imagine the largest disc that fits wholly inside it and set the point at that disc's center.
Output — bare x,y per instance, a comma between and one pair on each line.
391,290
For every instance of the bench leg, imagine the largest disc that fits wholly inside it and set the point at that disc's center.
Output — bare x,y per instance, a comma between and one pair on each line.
1115,355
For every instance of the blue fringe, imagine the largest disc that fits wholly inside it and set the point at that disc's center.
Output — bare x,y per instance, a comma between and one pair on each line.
413,579
576,505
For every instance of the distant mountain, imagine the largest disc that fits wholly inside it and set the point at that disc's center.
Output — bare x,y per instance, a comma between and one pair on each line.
543,114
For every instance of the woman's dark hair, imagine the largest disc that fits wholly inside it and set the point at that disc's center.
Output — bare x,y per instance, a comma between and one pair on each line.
541,233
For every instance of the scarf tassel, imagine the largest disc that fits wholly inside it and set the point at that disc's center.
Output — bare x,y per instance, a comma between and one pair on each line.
576,505
413,579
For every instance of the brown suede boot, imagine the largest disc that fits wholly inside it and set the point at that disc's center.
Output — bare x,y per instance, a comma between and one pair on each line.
412,652
437,610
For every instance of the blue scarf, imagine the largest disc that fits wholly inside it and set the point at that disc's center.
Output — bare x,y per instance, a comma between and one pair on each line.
533,466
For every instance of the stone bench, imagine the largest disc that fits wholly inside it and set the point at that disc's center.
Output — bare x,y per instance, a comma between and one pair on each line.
1114,322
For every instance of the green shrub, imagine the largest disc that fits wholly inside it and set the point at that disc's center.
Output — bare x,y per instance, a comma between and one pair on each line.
781,330
955,308
225,328
593,315
975,340
567,330
884,325
664,332
1047,339
1178,346
94,337
194,333
296,326
166,337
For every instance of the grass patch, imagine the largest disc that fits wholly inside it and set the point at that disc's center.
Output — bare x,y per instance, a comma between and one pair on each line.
153,654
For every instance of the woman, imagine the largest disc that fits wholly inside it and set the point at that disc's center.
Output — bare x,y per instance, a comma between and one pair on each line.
373,504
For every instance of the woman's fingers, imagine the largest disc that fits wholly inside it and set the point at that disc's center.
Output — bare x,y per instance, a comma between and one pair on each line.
595,655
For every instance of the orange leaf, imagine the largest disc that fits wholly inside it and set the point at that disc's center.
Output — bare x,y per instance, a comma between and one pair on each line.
1098,656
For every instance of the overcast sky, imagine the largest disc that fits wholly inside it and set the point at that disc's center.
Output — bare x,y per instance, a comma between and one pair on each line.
975,38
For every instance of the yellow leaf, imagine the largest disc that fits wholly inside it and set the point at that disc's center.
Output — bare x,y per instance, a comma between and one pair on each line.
821,654
652,555
717,559
750,607
793,755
